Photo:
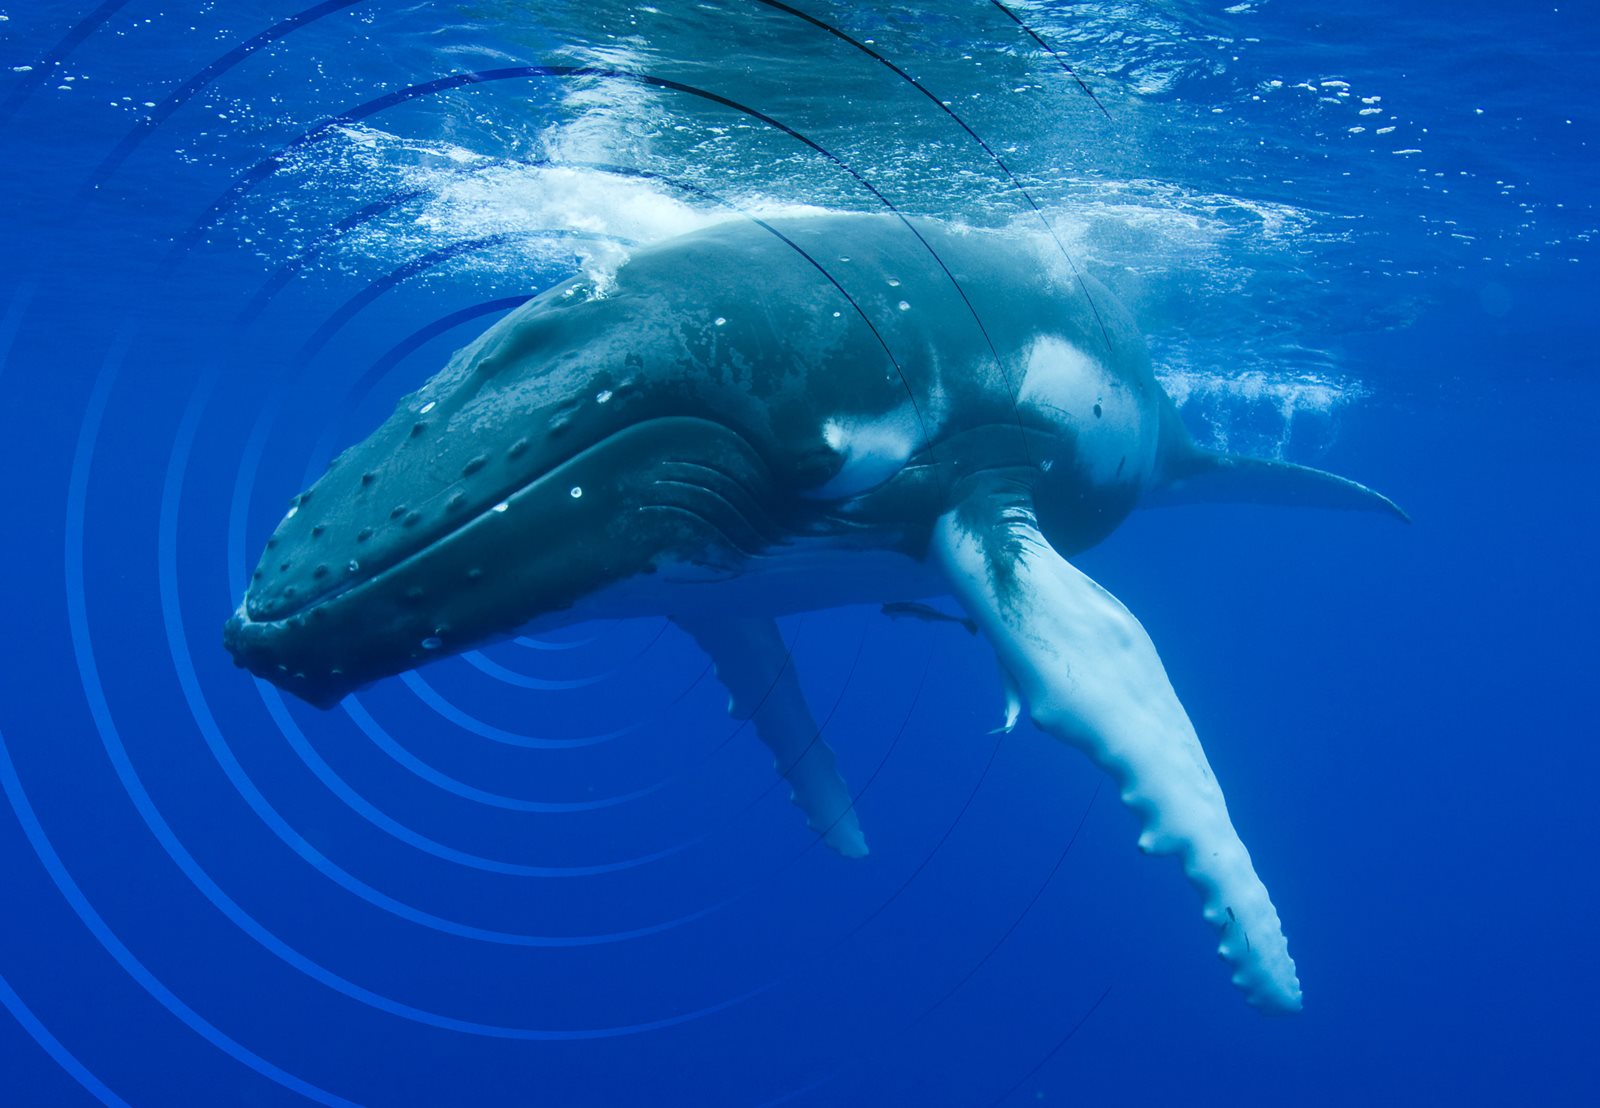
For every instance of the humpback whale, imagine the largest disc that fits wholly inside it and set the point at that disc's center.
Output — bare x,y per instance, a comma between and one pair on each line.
771,416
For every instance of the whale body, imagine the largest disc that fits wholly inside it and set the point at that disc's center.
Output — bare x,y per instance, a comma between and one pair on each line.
770,416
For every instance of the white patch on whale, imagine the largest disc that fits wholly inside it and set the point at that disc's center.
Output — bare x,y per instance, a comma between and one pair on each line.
874,449
1070,389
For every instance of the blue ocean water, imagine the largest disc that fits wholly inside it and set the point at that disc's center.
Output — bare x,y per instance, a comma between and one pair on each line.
555,872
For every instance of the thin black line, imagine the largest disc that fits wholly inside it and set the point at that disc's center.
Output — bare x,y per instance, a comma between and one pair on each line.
1048,49
268,166
1028,908
987,149
1061,1042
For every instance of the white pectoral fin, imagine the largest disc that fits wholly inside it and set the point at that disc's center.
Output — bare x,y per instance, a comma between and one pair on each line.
1091,677
753,664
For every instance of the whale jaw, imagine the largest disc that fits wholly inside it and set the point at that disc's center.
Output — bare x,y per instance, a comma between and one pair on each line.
664,493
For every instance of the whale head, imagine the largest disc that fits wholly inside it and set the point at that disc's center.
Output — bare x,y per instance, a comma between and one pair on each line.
510,487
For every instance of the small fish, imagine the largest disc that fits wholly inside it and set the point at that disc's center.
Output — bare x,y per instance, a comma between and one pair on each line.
911,609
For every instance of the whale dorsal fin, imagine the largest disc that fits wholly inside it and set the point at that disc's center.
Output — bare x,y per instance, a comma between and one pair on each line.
1090,676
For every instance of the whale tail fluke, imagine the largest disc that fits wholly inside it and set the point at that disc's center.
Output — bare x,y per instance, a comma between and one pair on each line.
1208,477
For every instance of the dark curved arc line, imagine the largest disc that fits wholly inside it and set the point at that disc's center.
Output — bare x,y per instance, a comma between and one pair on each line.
861,312
265,168
987,149
270,165
286,272
350,308
190,88
716,98
423,335
57,54
1061,1042
1027,909
410,343
927,859
1048,49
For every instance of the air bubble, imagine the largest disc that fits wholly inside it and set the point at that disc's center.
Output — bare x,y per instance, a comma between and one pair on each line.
432,642
502,506
576,492
719,321
602,396
428,407
352,566
904,306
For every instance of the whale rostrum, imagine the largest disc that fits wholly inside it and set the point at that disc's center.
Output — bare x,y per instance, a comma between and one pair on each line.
773,416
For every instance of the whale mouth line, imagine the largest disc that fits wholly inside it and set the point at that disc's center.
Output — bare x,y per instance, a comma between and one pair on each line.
357,583
505,501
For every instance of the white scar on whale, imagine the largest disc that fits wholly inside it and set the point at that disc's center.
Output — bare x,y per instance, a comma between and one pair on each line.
777,416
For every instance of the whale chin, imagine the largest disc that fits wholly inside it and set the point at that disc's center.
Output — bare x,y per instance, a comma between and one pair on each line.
256,645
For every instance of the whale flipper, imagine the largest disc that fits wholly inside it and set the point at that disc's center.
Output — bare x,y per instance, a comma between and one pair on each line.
1091,677
754,665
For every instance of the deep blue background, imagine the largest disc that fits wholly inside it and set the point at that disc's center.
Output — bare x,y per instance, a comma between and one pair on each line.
211,896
